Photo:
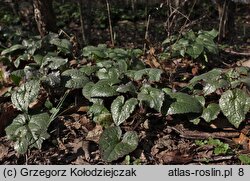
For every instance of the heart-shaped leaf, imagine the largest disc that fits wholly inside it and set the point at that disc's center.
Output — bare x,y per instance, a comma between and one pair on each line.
99,52
86,91
111,145
195,50
75,78
88,70
212,76
26,94
120,110
103,89
28,131
235,104
152,73
129,87
63,45
53,62
152,97
109,74
183,103
211,112
206,39
211,80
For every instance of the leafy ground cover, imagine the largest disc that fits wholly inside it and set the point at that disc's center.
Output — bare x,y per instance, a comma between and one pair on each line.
182,100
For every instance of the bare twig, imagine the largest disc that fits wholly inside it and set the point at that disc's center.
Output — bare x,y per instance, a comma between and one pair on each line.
187,19
237,53
63,32
146,33
215,159
110,24
174,11
82,22
204,135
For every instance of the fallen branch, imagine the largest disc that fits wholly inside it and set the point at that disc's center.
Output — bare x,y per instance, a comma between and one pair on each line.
203,135
237,53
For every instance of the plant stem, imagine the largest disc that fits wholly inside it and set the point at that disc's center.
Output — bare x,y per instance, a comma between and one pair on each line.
53,116
110,24
146,34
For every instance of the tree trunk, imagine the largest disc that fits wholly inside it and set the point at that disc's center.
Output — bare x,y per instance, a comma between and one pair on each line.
44,16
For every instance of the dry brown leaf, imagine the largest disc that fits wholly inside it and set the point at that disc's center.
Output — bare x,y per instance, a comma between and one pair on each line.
246,63
73,63
151,51
94,135
4,74
3,151
151,60
243,140
195,70
83,109
173,157
3,90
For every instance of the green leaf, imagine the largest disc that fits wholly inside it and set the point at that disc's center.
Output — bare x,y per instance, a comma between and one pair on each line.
190,35
129,87
152,97
170,40
38,58
135,52
122,66
17,75
211,112
75,78
213,33
211,80
105,64
111,73
118,54
101,115
88,70
201,99
206,39
245,159
235,104
103,89
53,62
86,91
28,131
211,76
13,130
32,45
99,52
195,50
152,73
120,110
20,58
113,147
62,45
12,49
26,94
183,103
219,147
38,126
52,79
